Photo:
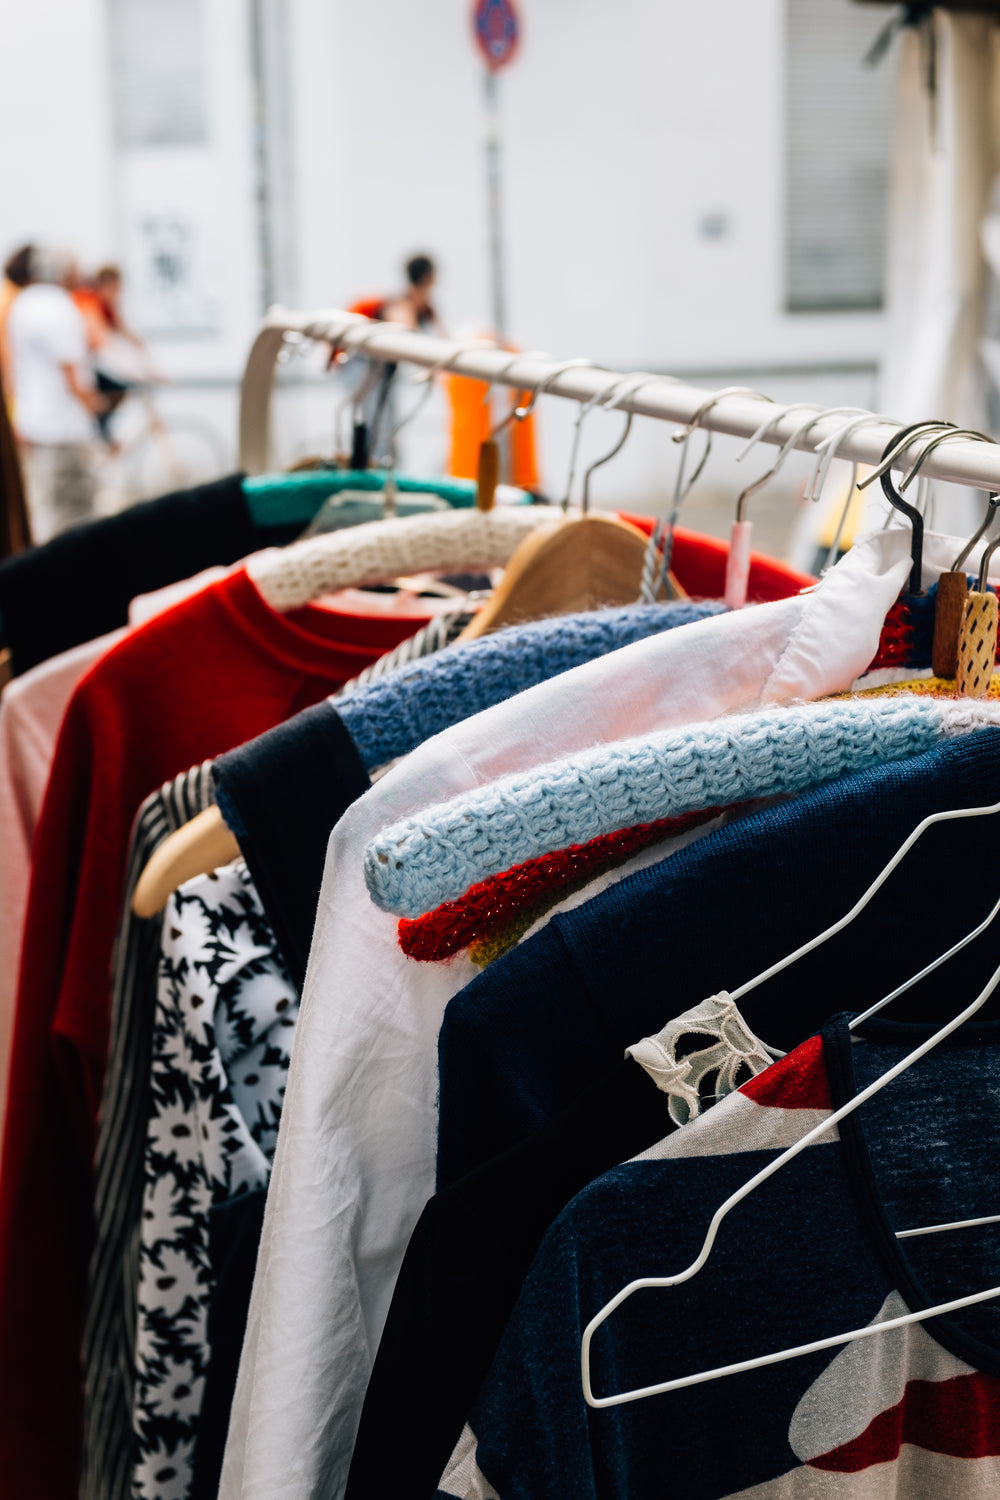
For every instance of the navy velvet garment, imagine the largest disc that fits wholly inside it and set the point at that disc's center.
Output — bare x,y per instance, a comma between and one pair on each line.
281,794
535,1028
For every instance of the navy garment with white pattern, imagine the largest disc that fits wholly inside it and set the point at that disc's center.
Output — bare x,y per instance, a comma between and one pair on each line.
109,1327
223,1028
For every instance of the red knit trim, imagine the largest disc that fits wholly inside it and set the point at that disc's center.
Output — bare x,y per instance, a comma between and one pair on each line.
895,647
492,903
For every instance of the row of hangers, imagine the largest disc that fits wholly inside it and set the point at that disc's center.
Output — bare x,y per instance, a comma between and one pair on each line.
561,559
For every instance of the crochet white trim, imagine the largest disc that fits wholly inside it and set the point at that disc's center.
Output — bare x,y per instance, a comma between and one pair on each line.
289,577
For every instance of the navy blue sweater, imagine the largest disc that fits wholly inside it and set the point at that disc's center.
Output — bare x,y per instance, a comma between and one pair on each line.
522,1040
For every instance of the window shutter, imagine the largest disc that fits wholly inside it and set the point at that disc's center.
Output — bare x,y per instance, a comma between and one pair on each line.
838,141
158,72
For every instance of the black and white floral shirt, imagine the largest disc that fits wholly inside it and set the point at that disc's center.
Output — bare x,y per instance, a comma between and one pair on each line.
225,1018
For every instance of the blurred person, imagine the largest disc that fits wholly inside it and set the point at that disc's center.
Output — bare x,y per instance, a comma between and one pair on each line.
120,357
16,276
414,306
54,398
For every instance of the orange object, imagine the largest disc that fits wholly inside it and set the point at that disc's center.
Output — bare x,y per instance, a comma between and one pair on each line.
470,427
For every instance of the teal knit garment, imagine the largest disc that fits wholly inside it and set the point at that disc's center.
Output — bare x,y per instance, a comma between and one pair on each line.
283,499
398,711
435,856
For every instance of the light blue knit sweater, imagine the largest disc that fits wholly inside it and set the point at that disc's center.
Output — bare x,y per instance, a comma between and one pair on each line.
399,711
422,861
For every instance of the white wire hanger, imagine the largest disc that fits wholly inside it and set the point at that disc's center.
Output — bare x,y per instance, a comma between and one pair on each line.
922,1314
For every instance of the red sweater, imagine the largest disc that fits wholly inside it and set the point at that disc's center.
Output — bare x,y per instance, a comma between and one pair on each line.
210,673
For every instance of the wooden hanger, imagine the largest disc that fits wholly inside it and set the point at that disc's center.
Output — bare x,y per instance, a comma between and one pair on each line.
292,576
196,849
558,567
579,563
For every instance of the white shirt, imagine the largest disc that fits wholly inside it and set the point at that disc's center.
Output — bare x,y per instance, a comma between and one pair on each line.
355,1156
45,331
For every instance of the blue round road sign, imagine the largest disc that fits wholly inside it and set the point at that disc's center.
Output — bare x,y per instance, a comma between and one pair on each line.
497,27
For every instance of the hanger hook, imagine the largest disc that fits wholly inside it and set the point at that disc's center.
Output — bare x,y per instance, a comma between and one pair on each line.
428,376
940,437
682,435
662,533
355,398
491,380
514,413
984,566
992,501
894,449
584,410
543,385
611,398
783,451
827,450
903,439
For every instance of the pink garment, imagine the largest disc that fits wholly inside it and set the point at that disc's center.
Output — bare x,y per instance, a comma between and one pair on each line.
31,714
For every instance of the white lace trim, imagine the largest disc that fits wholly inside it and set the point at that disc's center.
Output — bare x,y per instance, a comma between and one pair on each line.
732,1046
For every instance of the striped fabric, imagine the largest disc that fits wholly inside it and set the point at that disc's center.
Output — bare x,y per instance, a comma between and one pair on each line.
437,633
109,1329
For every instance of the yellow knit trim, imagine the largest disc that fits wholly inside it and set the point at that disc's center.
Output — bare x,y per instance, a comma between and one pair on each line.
927,687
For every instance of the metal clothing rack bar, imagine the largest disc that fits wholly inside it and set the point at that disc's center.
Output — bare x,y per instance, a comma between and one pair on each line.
958,461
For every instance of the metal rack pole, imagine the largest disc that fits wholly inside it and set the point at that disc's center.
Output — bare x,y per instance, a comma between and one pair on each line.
959,461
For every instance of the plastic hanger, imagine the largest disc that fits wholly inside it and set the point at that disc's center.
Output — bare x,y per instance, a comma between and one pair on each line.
580,563
808,1139
738,560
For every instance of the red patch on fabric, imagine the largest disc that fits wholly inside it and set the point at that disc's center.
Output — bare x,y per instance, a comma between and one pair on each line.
490,905
797,1081
959,1417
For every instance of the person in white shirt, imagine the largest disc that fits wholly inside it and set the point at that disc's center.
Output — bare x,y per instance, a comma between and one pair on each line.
54,398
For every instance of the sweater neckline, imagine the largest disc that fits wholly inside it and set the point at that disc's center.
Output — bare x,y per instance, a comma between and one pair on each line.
304,638
838,1055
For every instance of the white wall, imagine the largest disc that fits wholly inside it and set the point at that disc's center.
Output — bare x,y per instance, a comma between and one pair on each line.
643,188
56,172
625,129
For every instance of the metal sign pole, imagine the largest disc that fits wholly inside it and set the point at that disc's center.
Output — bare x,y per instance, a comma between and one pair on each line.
491,94
496,29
